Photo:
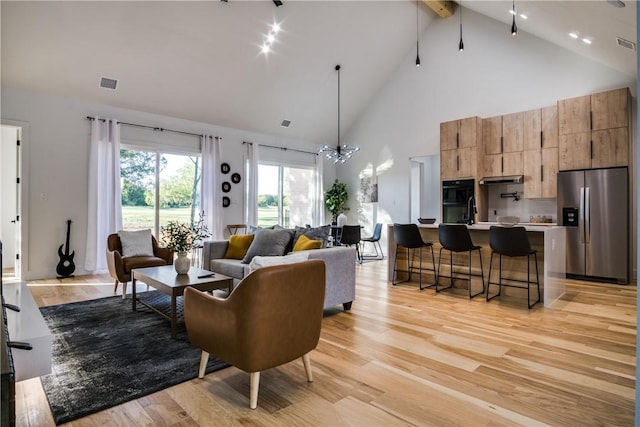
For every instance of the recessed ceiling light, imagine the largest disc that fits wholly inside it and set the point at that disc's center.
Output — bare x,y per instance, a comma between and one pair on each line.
275,28
285,123
271,38
265,48
586,41
573,35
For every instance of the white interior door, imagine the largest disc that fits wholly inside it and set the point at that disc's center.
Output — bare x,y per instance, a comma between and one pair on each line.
10,195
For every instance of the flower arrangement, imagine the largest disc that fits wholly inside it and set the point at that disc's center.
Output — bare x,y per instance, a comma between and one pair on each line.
182,237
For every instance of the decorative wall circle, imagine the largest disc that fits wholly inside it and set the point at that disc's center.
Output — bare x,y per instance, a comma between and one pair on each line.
226,202
235,178
225,168
226,187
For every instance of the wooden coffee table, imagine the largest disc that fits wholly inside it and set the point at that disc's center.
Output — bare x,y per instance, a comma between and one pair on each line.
166,280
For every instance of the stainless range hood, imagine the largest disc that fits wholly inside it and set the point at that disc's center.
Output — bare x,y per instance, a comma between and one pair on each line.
513,179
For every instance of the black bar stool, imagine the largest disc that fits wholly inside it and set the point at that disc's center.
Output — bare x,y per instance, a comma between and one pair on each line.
456,238
512,242
408,236
351,236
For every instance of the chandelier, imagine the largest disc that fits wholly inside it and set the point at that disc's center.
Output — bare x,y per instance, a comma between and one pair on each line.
341,153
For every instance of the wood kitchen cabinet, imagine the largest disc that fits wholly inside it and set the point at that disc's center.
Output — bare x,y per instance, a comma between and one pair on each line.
540,152
502,143
512,132
610,110
574,115
492,135
575,151
458,148
610,148
594,130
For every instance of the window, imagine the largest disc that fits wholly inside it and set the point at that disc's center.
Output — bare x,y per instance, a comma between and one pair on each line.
285,195
158,187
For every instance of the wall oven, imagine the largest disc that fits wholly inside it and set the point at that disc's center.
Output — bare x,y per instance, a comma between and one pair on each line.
455,195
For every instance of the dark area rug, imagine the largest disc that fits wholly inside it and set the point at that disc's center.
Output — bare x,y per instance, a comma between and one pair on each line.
104,354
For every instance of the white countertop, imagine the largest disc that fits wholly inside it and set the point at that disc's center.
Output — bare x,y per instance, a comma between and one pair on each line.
486,225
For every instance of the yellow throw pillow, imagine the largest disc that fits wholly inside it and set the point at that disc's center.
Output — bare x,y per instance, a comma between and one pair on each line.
238,246
303,243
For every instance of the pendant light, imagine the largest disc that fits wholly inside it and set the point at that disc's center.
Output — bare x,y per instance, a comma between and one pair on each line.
514,28
341,153
461,44
417,38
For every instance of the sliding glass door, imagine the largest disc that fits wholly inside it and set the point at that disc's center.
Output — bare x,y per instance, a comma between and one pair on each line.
158,187
285,195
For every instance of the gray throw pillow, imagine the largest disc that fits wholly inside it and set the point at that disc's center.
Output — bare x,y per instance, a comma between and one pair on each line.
314,233
267,243
136,243
292,235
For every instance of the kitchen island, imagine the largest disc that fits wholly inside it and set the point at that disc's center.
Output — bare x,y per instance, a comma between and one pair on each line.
548,239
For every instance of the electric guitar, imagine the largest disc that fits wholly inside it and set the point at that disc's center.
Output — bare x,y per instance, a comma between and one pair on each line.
66,267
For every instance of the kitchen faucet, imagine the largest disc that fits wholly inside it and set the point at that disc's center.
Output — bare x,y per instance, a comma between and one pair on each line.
471,210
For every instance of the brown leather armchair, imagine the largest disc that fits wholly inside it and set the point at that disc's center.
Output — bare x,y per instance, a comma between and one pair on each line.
272,317
120,267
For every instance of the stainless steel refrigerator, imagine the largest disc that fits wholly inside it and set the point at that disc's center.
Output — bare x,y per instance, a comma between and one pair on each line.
594,206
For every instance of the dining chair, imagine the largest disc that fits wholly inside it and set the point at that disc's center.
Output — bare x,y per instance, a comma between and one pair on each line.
374,239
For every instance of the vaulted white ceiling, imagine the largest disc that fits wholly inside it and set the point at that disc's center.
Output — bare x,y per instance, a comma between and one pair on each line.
202,60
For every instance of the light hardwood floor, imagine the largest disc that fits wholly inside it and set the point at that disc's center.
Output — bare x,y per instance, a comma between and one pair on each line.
405,357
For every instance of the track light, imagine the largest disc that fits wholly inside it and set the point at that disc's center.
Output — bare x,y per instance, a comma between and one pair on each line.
461,44
417,38
514,28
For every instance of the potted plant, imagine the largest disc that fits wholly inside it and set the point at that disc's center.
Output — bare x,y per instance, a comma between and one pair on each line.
181,238
335,199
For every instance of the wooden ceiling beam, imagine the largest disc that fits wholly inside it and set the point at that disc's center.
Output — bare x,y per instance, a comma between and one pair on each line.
444,8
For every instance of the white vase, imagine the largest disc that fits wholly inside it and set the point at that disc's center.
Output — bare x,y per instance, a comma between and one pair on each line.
182,263
342,219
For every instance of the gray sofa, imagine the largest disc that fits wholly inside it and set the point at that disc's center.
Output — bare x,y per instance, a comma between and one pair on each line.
339,261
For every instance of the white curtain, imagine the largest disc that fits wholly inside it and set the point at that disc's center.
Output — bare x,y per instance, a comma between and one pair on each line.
104,210
211,186
252,184
319,192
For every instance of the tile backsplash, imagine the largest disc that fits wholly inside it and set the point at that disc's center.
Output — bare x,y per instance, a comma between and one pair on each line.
523,208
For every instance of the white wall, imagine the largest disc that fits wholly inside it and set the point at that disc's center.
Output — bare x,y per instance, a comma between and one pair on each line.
56,173
496,74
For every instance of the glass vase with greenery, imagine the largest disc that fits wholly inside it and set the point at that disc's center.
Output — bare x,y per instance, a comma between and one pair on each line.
335,199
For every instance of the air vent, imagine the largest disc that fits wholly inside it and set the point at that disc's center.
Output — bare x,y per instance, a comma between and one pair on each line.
108,83
625,43
285,123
